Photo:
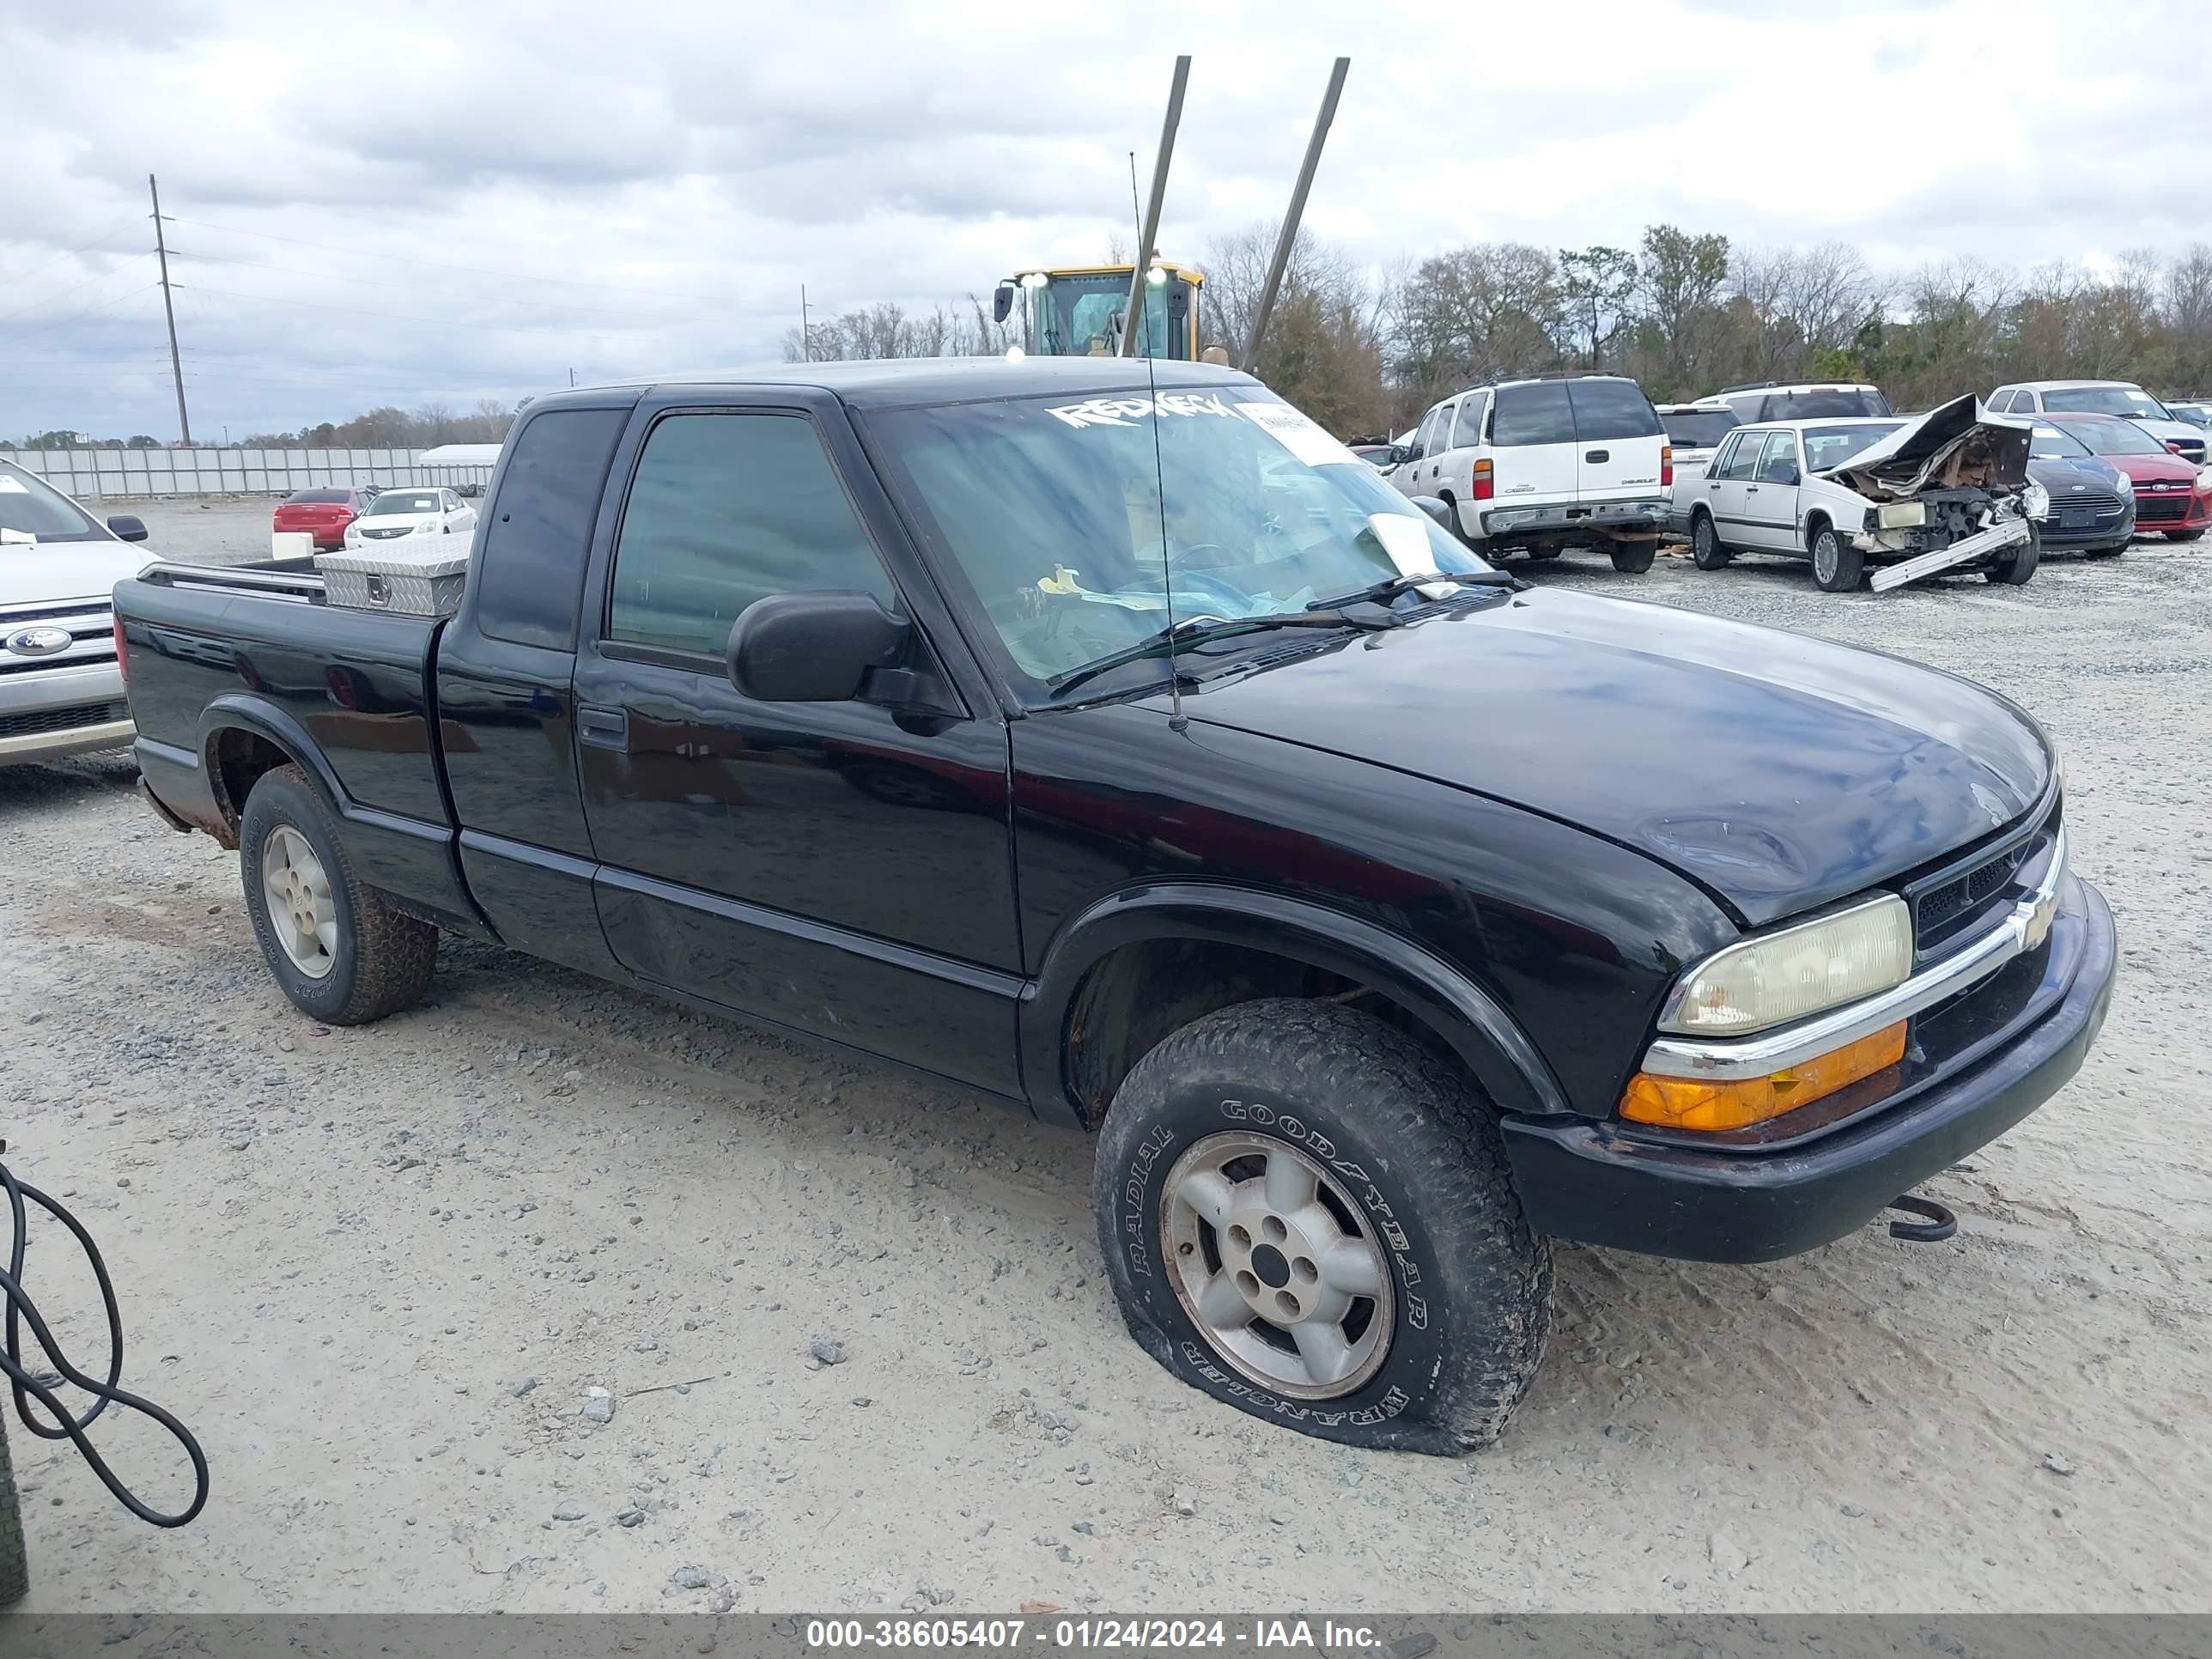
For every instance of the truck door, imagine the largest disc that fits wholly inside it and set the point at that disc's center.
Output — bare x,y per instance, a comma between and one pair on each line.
839,869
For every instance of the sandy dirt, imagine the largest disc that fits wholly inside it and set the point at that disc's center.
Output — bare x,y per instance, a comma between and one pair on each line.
377,1271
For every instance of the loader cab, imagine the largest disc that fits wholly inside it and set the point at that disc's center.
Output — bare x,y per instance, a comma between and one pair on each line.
1078,312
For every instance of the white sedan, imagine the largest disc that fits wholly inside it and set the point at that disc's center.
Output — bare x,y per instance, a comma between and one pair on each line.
1900,498
410,511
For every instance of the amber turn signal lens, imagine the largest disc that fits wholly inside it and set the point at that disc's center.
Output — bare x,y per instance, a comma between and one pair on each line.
1682,1103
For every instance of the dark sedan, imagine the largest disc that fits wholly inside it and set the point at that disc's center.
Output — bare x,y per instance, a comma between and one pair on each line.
2092,505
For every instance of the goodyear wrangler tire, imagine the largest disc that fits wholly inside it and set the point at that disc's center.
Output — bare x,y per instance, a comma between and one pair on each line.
1307,1214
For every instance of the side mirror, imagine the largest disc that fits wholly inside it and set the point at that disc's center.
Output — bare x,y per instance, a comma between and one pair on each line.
1436,509
1002,302
813,647
128,527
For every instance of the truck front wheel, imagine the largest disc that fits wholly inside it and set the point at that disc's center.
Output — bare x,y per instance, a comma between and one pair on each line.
1307,1214
339,949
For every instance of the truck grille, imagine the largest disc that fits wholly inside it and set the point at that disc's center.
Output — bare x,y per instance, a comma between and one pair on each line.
1962,900
41,720
90,626
2161,509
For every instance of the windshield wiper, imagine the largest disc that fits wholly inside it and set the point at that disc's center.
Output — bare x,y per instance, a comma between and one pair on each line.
1382,592
1199,630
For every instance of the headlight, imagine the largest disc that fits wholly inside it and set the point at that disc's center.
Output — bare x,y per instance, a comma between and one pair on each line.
426,527
2035,501
2204,477
1797,971
2126,485
1901,515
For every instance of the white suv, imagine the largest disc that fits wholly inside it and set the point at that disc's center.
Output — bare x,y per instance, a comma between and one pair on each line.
1537,465
2122,398
1807,400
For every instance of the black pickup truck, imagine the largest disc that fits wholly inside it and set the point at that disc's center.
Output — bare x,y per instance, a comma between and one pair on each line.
1385,915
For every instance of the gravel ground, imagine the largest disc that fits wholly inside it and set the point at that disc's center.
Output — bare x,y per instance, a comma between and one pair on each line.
381,1271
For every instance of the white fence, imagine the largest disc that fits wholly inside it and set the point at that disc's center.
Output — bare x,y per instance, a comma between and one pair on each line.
90,474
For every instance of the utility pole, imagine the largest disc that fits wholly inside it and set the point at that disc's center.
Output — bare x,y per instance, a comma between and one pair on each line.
1290,232
572,377
169,310
805,339
1133,319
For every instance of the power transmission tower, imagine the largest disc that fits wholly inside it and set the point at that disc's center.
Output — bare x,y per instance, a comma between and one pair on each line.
169,310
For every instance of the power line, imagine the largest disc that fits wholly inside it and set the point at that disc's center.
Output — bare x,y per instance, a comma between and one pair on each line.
74,287
357,311
93,247
401,288
441,265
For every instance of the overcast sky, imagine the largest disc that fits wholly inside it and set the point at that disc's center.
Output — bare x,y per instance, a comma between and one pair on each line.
406,202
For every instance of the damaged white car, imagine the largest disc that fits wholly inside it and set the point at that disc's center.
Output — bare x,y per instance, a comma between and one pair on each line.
1945,491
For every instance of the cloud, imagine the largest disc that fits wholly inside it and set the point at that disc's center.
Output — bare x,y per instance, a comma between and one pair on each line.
411,199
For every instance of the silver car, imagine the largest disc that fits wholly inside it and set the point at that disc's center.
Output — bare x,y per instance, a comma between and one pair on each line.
61,691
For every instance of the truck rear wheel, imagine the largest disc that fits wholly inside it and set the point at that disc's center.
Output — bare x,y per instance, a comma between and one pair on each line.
339,949
1307,1214
1634,558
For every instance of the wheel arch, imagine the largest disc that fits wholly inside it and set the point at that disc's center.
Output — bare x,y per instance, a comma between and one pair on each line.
1139,964
240,739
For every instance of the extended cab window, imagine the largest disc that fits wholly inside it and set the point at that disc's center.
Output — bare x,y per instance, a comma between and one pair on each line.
530,572
1607,409
1539,413
726,509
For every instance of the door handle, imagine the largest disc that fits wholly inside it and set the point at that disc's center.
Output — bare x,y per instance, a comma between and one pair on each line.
1598,455
603,728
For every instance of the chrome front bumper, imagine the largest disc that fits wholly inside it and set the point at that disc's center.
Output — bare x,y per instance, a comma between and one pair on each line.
2019,931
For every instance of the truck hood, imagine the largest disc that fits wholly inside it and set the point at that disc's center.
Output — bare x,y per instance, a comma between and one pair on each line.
1953,443
1779,771
53,572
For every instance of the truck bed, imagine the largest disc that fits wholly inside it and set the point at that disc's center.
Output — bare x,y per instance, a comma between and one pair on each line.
218,653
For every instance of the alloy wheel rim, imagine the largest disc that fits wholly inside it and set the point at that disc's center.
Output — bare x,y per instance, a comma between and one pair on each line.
1824,555
301,912
1280,1273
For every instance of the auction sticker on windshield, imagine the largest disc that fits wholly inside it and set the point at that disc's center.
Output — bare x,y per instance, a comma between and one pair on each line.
1305,438
1127,411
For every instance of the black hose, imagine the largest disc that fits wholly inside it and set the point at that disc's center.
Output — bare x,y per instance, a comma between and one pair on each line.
65,1426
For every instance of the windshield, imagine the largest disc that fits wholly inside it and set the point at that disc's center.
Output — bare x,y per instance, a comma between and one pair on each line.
2114,438
1701,430
2195,414
1075,317
30,507
405,500
2106,400
2049,444
1051,509
1827,447
1821,404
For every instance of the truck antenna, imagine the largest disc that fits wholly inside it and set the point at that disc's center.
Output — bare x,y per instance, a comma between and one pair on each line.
1175,722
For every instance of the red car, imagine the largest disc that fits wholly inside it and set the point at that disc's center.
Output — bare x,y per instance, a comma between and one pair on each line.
2171,494
323,513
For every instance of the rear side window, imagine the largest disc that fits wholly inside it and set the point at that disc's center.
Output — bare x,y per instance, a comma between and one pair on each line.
1468,433
1739,462
1540,413
1612,409
531,557
726,509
